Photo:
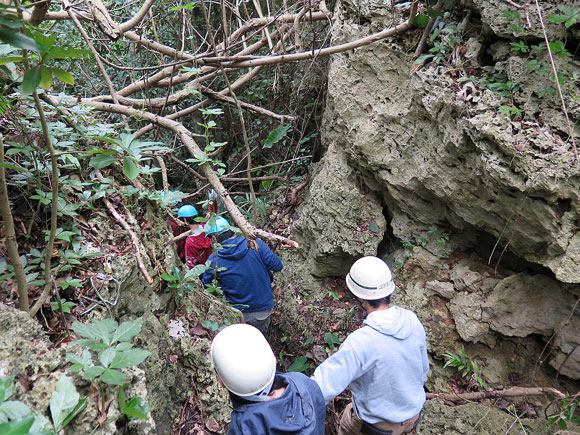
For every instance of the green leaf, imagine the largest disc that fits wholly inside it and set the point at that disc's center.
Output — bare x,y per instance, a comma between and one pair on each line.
107,356
76,411
420,21
300,364
102,161
374,227
93,372
31,80
45,77
17,427
65,53
8,59
276,135
130,168
63,76
19,40
137,408
129,358
123,346
212,325
127,330
434,13
6,387
113,377
14,167
14,409
64,399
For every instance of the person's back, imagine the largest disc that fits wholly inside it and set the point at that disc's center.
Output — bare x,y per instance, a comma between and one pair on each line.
299,410
391,365
264,402
245,280
384,363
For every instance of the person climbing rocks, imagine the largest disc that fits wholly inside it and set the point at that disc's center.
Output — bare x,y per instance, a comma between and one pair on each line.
264,401
243,273
197,244
384,363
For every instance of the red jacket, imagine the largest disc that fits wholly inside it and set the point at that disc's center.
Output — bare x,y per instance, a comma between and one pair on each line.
180,244
198,246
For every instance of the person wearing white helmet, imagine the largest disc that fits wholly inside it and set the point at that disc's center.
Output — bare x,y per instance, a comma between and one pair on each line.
264,401
243,273
384,363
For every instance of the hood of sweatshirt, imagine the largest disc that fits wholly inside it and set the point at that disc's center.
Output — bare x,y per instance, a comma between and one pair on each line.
394,321
234,249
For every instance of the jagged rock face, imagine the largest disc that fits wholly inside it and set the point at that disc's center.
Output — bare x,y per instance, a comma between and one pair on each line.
438,159
338,223
438,418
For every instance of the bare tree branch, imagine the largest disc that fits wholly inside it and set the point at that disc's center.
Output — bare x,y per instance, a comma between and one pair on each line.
510,392
247,229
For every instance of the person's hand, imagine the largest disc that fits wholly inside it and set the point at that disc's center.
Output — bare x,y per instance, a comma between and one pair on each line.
212,195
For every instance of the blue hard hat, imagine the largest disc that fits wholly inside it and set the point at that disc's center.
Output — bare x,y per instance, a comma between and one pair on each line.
186,211
219,225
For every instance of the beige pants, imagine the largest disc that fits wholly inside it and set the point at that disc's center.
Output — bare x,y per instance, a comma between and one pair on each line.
350,424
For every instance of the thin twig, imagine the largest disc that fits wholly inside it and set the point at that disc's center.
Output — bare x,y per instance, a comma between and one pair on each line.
555,71
10,236
132,235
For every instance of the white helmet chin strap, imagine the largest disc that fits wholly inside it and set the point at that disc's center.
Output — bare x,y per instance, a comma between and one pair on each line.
262,396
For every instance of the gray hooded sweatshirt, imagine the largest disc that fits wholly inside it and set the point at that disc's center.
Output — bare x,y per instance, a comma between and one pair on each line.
385,365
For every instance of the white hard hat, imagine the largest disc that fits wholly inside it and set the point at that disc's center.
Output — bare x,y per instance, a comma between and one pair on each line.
243,359
370,279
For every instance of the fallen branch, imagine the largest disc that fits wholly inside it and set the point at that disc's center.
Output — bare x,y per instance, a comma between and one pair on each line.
131,233
427,31
510,392
247,229
217,96
557,81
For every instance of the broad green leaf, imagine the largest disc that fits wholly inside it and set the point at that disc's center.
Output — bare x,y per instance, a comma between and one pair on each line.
300,364
76,411
374,227
64,53
45,78
63,401
210,324
14,409
104,329
63,76
102,161
93,372
127,330
107,356
420,21
136,407
31,80
129,358
276,135
130,168
113,377
17,427
123,346
434,13
6,387
8,59
19,40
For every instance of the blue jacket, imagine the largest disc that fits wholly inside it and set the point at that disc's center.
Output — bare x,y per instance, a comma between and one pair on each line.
300,410
246,280
385,365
